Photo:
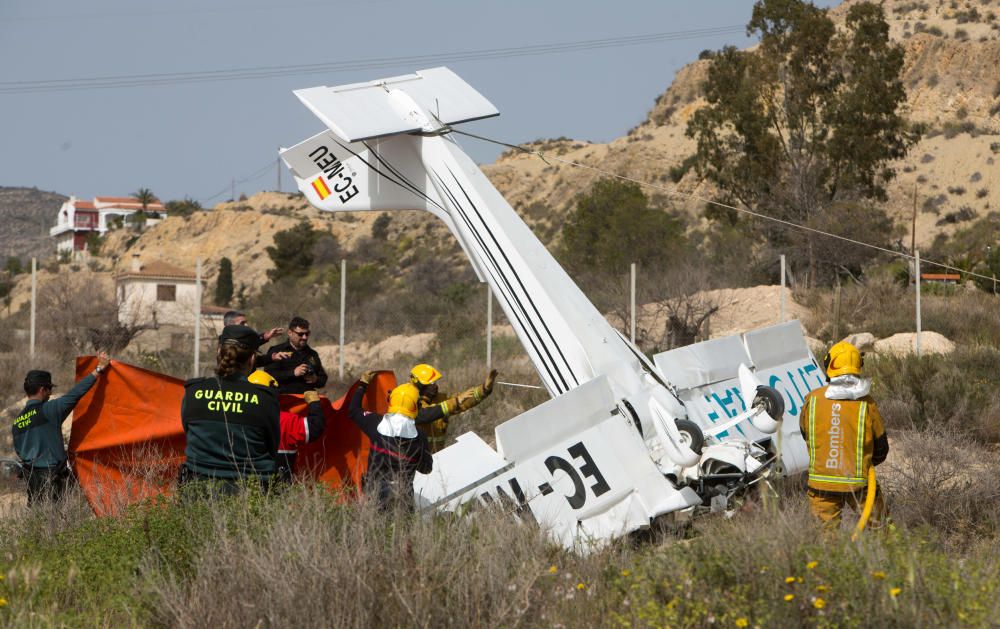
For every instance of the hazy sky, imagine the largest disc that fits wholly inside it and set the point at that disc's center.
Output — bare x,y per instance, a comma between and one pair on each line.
192,139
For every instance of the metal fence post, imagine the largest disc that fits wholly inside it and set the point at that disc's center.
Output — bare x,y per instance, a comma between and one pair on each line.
917,283
34,300
489,327
781,298
197,319
343,311
632,302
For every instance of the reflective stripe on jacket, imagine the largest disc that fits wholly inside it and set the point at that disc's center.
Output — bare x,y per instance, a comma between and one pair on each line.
840,436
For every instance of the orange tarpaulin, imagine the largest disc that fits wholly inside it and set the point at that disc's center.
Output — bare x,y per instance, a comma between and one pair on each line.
127,443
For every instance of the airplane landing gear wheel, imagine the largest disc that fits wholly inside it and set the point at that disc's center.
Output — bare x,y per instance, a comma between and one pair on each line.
774,403
691,435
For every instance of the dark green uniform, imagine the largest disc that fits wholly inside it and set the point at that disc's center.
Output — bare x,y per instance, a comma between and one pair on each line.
38,441
232,428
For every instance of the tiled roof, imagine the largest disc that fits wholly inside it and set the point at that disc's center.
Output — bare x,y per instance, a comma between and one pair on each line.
128,202
84,205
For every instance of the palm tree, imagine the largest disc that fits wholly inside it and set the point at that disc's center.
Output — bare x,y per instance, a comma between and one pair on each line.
144,196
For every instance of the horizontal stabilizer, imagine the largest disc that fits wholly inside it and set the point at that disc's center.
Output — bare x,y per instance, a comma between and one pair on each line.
362,111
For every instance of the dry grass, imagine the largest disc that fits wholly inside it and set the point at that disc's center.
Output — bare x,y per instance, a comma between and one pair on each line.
308,558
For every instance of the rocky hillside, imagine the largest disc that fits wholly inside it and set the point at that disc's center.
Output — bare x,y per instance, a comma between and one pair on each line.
952,56
26,214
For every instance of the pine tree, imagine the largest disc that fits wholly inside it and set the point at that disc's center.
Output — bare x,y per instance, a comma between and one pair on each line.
224,283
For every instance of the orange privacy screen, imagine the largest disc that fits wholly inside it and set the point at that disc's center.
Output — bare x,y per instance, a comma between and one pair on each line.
127,443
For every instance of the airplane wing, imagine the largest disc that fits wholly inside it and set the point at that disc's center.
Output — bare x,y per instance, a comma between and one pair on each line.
575,465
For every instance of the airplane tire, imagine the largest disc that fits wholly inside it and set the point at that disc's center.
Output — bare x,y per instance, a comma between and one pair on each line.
774,403
691,434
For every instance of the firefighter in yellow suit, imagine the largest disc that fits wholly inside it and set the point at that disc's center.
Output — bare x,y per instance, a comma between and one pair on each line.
436,408
845,437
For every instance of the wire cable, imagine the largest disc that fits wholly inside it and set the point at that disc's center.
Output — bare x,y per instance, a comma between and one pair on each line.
262,72
677,193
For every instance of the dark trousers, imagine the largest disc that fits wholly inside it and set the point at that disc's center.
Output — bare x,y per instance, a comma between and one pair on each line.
45,484
193,485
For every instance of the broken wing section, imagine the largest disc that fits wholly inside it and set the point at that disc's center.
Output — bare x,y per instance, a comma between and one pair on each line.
707,378
574,465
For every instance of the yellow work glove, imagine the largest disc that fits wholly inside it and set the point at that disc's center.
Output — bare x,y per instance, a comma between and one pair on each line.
488,383
310,396
368,376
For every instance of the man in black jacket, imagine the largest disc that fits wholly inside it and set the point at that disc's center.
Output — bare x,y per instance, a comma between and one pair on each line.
301,370
37,431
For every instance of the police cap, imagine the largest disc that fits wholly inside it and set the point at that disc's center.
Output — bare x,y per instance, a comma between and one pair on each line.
241,334
39,377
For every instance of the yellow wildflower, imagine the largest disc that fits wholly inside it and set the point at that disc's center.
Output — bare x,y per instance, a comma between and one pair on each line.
553,570
789,579
3,602
822,588
894,592
789,597
625,573
819,603
878,574
742,622
581,586
811,565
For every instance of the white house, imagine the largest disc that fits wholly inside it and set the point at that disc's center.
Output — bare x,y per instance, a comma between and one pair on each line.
77,218
155,294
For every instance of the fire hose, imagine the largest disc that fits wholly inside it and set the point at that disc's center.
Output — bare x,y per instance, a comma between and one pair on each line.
869,503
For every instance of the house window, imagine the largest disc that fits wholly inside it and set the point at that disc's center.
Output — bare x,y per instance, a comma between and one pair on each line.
166,292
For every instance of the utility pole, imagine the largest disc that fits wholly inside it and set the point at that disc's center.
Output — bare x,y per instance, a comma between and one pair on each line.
232,189
913,230
343,311
489,327
197,319
632,304
916,259
278,162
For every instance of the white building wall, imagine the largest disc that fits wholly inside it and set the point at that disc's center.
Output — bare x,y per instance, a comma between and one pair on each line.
138,305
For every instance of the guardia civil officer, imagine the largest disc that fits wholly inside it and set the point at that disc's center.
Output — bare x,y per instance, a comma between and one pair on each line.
37,431
231,424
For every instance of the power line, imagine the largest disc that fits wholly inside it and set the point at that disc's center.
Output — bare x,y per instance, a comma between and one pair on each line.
677,193
410,61
254,175
236,8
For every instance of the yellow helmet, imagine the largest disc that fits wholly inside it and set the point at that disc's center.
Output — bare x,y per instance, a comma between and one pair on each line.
843,358
424,374
403,400
262,378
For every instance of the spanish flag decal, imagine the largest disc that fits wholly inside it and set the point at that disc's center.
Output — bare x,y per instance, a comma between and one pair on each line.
321,188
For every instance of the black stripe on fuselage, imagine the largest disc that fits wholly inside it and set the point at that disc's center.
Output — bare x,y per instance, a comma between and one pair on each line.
503,283
517,277
524,291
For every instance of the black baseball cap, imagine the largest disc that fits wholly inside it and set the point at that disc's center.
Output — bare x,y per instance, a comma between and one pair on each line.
244,335
39,377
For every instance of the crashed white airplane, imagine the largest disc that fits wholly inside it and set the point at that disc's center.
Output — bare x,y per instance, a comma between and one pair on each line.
622,441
